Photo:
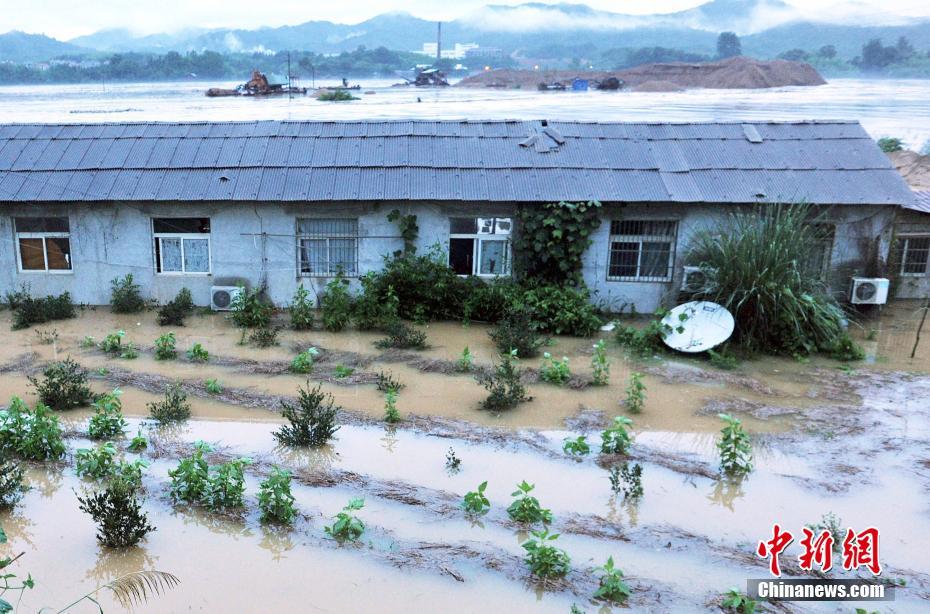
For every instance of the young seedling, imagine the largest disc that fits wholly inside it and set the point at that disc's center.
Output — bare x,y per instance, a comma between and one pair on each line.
197,353
834,525
734,447
342,371
628,480
312,421
12,486
113,343
213,386
387,382
453,462
166,347
130,351
475,503
226,485
735,601
173,408
543,558
95,462
525,508
138,443
617,439
600,364
466,361
577,446
611,586
391,415
636,394
275,499
88,342
503,385
189,480
47,337
346,526
130,472
554,371
30,434
303,362
108,421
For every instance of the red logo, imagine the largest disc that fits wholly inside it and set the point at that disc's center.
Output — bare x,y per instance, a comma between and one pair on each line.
859,550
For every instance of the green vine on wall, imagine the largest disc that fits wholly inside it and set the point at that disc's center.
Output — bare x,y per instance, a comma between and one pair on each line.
553,238
409,230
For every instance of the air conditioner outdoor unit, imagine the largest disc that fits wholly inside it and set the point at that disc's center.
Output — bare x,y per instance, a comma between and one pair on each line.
869,291
221,297
694,279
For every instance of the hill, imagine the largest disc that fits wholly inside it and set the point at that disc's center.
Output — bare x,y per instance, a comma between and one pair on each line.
18,46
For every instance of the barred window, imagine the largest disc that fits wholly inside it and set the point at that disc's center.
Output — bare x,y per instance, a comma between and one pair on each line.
327,246
43,244
914,255
182,245
642,250
480,245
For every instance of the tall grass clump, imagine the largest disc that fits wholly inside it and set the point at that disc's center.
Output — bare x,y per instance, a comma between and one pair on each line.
758,264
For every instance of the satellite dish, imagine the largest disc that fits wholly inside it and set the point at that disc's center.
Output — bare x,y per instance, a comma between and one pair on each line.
698,326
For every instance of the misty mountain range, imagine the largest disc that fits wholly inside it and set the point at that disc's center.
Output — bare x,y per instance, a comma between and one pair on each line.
767,27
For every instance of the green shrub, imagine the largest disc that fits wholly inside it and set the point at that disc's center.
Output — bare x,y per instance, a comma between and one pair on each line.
525,507
15,298
890,144
387,382
577,446
346,525
12,484
166,347
646,341
627,479
466,361
64,385
561,310
130,472
198,353
30,434
600,364
264,337
402,336
503,385
190,479
213,386
226,485
341,371
125,296
611,586
391,415
275,499
118,513
130,351
113,343
616,439
336,304
723,359
635,394
831,523
249,310
491,301
96,462
138,443
555,371
425,287
516,332
734,447
301,309
88,342
336,96
475,502
372,310
173,312
107,421
28,310
553,238
845,349
173,408
303,362
543,558
453,462
311,422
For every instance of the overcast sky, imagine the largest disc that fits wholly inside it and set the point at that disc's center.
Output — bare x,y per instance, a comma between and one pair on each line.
64,19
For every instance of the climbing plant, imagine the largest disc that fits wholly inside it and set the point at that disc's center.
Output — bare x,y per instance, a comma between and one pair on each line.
553,239
409,230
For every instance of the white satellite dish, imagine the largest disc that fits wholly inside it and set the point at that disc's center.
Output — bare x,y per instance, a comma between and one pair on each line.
698,326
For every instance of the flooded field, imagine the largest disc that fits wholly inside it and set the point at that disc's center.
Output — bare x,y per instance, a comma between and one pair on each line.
854,441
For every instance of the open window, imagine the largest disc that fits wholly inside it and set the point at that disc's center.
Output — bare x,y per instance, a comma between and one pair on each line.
43,244
327,246
642,250
480,245
914,255
182,245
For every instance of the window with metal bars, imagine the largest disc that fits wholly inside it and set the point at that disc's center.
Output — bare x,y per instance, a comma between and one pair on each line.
914,255
327,246
182,245
43,244
642,250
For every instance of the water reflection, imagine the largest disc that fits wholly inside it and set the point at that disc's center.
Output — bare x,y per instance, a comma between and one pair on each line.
726,490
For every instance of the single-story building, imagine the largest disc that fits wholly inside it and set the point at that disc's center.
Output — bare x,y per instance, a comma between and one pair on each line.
282,203
910,264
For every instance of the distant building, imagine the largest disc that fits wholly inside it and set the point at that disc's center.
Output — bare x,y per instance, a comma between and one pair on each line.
459,51
485,52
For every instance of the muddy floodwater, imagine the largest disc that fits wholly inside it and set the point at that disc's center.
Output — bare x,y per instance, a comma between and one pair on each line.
852,440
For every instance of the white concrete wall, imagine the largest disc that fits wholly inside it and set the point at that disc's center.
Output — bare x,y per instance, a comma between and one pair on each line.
110,240
911,287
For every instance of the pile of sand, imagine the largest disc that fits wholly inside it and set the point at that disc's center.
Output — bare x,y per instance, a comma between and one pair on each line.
914,167
732,73
657,86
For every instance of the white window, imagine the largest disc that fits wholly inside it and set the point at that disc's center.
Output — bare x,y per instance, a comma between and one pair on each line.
480,245
327,246
43,244
642,250
182,245
914,255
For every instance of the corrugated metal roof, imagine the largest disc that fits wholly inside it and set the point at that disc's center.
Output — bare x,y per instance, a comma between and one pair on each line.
921,202
820,162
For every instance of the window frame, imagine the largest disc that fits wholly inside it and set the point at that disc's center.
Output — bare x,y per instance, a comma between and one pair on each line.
326,238
671,239
44,235
479,238
158,251
902,254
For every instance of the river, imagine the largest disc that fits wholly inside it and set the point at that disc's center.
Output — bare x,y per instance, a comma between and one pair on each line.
884,107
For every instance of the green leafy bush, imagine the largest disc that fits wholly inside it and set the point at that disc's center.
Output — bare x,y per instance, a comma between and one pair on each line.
627,479
346,525
249,309
723,359
391,415
336,304
30,434
303,362
525,507
635,394
173,312
577,446
117,510
845,349
198,353
301,309
561,310
12,484
64,385
543,558
107,421
166,347
96,462
611,586
125,296
336,96
190,479
553,239
516,332
491,301
113,343
475,502
555,371
890,144
213,386
173,408
734,447
402,336
28,310
311,422
226,485
275,499
264,337
646,341
372,310
130,472
503,385
425,287
387,382
466,361
138,443
616,439
342,371
600,364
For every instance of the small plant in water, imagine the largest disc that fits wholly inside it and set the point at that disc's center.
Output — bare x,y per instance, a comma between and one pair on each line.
466,361
226,485
303,362
503,385
95,462
312,421
11,483
197,353
108,421
611,586
391,415
47,337
125,295
130,351
88,342
832,523
543,558
113,343
525,507
346,526
600,364
736,601
577,446
628,480
118,513
213,386
734,447
475,502
554,371
264,336
173,408
301,309
387,382
131,472
275,499
138,443
402,336
453,462
723,359
64,385
635,393
30,434
166,347
190,479
342,371
616,439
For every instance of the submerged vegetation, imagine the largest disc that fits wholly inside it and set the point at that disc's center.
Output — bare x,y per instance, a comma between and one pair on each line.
64,385
28,310
525,507
312,421
30,434
543,558
117,510
346,525
734,447
126,296
505,390
173,408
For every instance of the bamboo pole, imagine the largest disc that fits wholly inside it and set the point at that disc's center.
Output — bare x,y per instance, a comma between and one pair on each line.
920,327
